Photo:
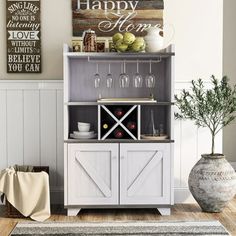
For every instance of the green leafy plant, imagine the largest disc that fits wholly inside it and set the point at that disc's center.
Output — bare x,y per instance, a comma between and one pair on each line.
213,108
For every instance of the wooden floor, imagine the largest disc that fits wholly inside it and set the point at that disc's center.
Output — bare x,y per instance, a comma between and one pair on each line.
179,212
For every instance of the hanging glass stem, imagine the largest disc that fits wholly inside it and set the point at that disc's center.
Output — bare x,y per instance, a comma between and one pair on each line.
97,69
124,67
97,78
109,79
150,67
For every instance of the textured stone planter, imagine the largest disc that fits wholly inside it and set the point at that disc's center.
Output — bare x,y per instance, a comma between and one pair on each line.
212,182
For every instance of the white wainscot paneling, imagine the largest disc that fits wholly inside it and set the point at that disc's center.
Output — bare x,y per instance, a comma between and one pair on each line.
14,114
31,133
3,129
31,127
48,126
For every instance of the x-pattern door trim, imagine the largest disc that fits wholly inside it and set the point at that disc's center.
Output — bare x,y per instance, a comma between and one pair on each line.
94,175
140,178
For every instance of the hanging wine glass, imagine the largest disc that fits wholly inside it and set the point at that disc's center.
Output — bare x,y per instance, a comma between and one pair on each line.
124,77
97,79
109,79
150,78
137,79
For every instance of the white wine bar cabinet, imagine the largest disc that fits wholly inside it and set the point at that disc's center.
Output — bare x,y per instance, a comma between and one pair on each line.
128,160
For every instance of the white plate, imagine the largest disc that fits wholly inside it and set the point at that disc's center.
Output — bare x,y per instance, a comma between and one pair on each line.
150,137
82,134
83,137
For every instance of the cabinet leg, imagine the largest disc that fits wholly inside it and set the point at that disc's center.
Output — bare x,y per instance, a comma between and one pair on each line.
73,211
164,211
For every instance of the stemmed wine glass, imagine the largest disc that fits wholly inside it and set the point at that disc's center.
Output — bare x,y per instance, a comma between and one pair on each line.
150,78
124,77
137,79
109,79
97,79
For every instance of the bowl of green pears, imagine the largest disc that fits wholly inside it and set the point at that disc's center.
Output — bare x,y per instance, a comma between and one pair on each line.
127,42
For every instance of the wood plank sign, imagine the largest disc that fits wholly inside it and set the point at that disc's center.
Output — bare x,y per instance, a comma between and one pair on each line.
23,36
108,17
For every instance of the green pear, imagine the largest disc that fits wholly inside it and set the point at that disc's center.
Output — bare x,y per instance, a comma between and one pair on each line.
128,38
121,46
117,37
138,45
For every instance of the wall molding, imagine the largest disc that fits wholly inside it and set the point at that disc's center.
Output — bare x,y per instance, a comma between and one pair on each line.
31,84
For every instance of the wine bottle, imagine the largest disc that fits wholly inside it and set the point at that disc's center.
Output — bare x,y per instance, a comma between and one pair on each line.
119,112
131,125
119,133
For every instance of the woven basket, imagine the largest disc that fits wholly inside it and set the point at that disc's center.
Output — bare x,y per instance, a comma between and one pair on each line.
10,211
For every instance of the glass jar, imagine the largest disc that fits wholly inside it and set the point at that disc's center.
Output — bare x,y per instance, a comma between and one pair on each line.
89,41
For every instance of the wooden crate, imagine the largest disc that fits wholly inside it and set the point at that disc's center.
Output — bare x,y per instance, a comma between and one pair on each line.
11,211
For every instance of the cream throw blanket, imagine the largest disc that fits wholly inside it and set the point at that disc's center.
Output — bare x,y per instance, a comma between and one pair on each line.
28,192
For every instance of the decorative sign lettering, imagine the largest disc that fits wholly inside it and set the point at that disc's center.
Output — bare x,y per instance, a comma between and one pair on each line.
107,17
23,36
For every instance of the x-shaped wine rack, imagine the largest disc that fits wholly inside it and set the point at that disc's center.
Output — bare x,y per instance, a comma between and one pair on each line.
119,122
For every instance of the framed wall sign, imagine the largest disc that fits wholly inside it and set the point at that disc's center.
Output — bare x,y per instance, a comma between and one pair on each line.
23,36
108,17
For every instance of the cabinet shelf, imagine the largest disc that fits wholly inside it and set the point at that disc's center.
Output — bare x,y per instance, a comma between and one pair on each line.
117,141
120,103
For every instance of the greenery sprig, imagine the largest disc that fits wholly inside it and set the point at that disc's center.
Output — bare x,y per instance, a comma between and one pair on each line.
213,108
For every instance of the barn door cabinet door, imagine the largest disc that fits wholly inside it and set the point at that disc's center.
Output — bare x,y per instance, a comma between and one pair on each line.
145,174
93,174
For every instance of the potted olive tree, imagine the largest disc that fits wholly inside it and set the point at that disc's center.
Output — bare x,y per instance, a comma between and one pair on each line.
212,181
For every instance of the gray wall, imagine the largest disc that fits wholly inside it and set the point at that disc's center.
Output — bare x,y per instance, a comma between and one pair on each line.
229,68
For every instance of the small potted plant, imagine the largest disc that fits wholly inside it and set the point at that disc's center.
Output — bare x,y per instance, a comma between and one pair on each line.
212,181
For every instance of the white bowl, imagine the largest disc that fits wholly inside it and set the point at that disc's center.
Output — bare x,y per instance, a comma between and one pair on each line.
83,124
83,127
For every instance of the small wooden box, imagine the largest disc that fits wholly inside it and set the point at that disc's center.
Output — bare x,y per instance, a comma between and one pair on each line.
11,211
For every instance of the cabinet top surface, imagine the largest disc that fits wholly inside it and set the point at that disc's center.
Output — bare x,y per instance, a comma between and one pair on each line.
117,141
